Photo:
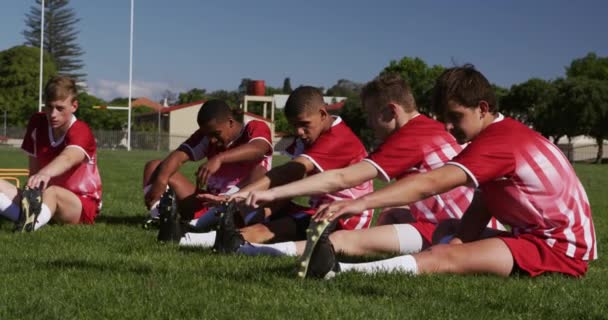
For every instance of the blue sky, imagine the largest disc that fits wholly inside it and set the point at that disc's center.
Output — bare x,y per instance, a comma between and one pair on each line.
183,44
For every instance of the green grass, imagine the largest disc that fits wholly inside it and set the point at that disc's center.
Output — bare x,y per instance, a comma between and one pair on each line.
115,269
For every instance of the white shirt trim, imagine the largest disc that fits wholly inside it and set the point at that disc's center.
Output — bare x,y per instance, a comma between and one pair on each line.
54,143
313,161
81,148
337,121
379,168
466,170
262,138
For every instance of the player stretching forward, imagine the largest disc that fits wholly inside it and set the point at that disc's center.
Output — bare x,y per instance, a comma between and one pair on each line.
64,183
526,183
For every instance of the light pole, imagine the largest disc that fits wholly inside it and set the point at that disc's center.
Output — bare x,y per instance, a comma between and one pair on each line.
41,53
130,77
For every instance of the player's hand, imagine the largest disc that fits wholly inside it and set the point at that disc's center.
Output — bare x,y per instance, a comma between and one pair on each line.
212,200
339,209
238,197
256,198
157,190
207,169
38,180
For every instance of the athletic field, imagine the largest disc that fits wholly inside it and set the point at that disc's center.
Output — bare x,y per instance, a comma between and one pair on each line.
117,270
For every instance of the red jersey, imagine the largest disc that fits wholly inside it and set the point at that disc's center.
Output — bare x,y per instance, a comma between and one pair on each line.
336,148
230,174
529,184
419,146
83,179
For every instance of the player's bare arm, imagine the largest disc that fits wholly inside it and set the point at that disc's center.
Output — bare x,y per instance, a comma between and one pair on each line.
402,192
252,151
166,169
291,171
326,182
62,163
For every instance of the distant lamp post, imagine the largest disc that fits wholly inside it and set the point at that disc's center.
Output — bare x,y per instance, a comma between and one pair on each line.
41,53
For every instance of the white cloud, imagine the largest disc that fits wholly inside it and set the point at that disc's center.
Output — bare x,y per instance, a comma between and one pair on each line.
110,89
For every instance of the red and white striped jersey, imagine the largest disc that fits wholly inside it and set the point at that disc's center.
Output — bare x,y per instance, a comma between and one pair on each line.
197,147
419,146
82,179
529,184
336,148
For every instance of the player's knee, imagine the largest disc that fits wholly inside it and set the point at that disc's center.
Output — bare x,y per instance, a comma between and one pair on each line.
50,192
152,165
339,236
257,233
444,258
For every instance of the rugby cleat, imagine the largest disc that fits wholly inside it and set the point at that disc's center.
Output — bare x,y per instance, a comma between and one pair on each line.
170,227
228,238
151,223
319,258
31,204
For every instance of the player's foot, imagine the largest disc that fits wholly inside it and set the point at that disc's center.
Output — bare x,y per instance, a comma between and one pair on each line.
31,204
319,257
228,238
170,226
151,223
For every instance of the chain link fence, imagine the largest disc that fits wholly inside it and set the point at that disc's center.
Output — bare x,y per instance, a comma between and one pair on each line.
117,139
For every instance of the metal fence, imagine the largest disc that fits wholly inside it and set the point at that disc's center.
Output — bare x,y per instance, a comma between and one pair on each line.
107,139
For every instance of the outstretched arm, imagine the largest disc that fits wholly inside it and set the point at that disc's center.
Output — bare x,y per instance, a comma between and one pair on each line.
68,158
326,182
402,192
291,171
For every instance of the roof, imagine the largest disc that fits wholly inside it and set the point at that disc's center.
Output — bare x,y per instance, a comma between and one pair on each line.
198,104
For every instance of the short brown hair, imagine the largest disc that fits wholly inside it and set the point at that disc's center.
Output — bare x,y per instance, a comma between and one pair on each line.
59,88
389,87
303,100
463,85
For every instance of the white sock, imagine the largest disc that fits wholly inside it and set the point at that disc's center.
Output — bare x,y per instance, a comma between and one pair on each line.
8,208
273,249
43,218
205,240
405,264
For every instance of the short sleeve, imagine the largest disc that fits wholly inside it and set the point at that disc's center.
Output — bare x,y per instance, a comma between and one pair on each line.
488,157
80,136
328,154
257,130
396,156
196,146
29,140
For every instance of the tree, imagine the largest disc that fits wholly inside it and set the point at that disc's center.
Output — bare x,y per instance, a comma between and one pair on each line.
194,94
287,86
587,101
59,36
528,100
352,112
591,66
19,82
169,96
588,80
420,77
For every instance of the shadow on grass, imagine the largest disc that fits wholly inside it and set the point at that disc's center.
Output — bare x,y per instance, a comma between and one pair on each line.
121,220
63,264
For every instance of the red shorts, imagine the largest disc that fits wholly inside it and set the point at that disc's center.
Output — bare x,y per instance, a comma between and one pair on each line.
534,256
426,229
90,210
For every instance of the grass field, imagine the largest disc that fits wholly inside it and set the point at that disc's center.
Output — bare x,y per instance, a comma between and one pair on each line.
115,269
